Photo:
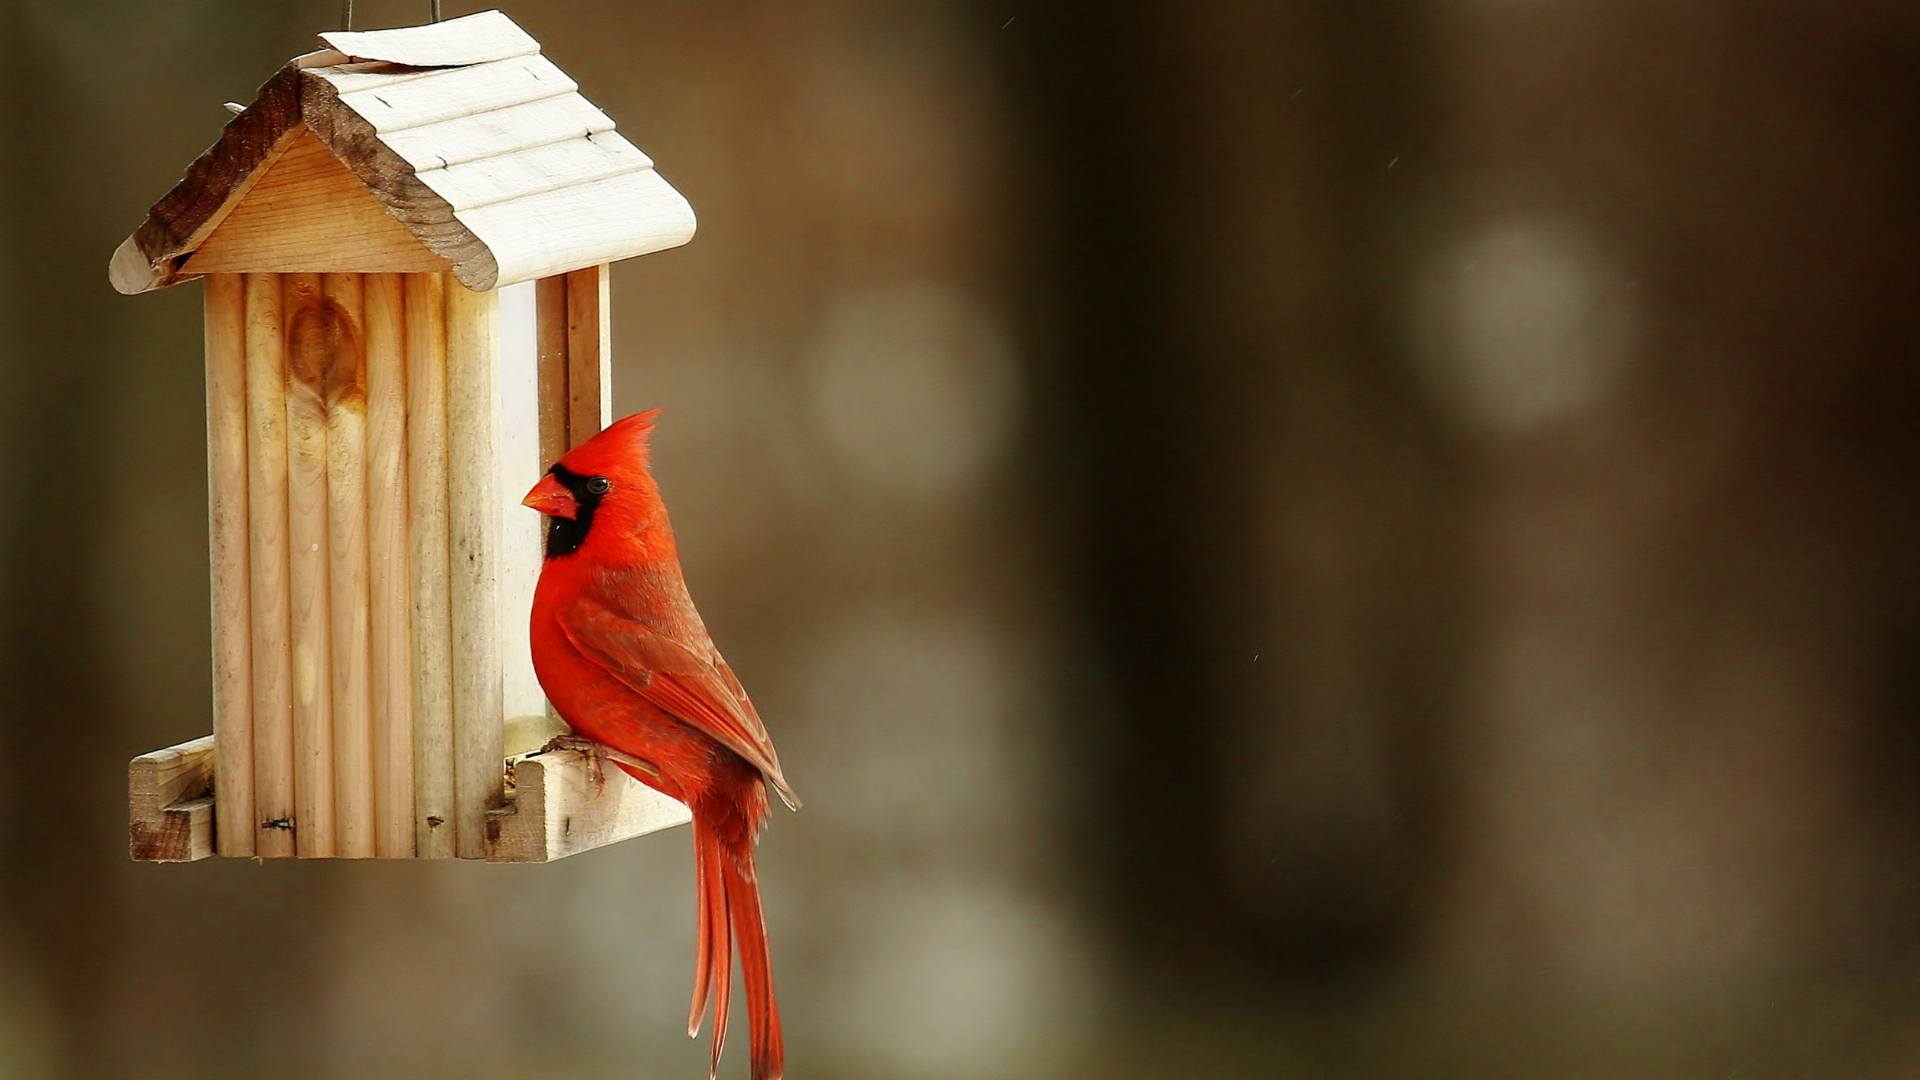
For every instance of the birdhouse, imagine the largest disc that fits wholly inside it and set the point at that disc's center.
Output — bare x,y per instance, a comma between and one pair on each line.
404,244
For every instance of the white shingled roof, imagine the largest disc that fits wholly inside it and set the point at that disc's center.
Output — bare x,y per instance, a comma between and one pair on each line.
466,133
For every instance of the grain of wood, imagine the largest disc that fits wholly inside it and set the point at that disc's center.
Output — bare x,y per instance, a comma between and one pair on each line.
515,128
225,323
389,640
395,182
307,212
474,505
537,170
310,356
398,104
550,304
348,573
589,353
170,804
581,225
268,568
563,806
428,566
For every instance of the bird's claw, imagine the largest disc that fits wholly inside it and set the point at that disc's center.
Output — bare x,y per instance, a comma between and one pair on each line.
570,741
597,754
587,748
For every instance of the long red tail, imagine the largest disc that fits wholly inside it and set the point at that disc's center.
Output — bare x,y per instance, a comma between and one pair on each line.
730,901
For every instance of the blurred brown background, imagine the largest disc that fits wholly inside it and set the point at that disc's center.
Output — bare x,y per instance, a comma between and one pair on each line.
1296,539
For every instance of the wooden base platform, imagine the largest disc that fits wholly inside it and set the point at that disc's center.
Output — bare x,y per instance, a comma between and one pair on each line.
557,805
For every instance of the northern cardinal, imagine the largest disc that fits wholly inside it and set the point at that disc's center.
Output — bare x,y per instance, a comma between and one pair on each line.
625,659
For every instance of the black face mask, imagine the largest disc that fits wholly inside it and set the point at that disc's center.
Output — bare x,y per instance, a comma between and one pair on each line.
565,535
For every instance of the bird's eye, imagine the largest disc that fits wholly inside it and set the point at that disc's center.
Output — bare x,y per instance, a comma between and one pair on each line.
598,485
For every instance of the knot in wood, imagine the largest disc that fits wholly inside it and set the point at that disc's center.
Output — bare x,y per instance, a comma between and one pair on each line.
325,353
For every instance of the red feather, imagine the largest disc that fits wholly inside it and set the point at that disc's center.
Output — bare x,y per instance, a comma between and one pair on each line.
623,656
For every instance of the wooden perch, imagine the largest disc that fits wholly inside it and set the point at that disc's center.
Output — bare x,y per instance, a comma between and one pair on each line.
170,803
559,805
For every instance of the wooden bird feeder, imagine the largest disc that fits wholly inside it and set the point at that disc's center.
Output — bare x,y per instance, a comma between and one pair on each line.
405,241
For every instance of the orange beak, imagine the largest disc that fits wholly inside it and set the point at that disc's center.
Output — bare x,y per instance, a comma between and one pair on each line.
552,498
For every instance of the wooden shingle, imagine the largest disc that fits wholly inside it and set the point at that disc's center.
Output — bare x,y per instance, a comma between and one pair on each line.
480,148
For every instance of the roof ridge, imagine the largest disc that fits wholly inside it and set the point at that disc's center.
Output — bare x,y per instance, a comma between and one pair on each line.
410,101
470,39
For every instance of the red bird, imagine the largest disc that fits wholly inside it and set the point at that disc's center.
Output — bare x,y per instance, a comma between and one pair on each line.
626,661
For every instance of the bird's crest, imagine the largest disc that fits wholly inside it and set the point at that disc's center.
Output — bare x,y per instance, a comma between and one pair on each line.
624,446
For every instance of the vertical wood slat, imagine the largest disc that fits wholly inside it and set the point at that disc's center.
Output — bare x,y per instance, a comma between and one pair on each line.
603,356
309,358
268,569
473,500
550,317
390,644
228,537
589,352
347,565
429,566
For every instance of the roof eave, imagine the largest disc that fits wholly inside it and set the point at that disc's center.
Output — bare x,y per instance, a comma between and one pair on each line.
150,258
608,217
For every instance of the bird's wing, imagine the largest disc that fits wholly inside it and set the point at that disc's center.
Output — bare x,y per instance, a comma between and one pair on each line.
672,675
